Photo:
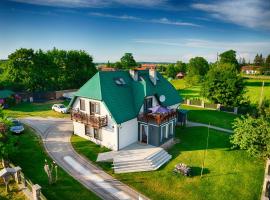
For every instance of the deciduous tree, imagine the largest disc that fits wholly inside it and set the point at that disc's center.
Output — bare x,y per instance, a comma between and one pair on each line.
128,61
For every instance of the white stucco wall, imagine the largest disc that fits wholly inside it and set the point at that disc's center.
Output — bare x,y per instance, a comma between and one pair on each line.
128,133
108,133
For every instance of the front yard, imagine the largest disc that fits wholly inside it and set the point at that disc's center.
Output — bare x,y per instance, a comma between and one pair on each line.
229,174
31,157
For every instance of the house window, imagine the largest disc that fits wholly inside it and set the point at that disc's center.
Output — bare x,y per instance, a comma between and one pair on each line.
94,108
82,104
88,131
148,103
171,128
97,134
163,133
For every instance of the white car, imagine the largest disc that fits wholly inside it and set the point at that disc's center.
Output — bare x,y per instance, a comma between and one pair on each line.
59,108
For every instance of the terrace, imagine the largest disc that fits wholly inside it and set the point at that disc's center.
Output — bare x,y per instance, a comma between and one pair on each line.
159,115
92,120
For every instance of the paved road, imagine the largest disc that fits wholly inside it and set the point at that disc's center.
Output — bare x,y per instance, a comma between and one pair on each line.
193,124
56,135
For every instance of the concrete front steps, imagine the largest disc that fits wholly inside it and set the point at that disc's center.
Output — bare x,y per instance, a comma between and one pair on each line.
127,163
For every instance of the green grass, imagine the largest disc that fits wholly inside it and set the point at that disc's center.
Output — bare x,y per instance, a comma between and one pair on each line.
34,109
14,193
253,89
30,158
229,174
206,116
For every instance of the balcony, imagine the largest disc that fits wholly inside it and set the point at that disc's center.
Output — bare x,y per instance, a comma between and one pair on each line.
158,118
92,120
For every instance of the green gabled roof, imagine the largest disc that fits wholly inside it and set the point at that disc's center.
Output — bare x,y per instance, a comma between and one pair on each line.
124,101
5,93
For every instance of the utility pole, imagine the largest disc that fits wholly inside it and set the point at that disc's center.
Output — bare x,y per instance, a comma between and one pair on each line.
204,154
261,97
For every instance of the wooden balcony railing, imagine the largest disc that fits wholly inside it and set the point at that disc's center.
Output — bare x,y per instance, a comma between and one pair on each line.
157,117
92,120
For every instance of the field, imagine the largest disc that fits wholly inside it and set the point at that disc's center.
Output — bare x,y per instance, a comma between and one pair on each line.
253,89
228,174
31,158
35,109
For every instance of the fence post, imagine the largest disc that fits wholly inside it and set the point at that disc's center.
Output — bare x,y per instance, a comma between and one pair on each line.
36,190
218,107
188,101
18,174
202,103
235,110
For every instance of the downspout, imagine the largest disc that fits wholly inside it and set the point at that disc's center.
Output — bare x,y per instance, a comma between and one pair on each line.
117,137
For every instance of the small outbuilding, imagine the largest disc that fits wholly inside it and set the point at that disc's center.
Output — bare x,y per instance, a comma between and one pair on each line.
180,75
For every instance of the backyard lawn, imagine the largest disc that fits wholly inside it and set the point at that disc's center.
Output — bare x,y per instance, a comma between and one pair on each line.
229,174
253,87
35,109
30,158
206,116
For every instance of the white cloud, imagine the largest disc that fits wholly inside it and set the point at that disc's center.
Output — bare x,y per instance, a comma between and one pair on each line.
128,17
249,13
94,3
209,48
156,21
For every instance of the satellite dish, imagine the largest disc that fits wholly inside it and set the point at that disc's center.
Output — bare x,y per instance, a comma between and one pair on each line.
162,98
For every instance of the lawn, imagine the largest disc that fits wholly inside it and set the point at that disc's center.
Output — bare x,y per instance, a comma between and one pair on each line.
206,116
30,158
253,89
35,109
229,174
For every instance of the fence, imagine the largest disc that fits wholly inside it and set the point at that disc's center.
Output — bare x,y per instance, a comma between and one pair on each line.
200,103
43,96
22,180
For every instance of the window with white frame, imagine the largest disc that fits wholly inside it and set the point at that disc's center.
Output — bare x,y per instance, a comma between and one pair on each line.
82,104
171,128
89,131
94,108
97,134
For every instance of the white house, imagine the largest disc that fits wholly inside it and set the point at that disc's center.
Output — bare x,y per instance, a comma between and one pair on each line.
118,108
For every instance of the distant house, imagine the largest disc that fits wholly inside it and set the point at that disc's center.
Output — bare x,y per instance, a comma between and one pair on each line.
6,96
180,75
119,108
251,70
149,66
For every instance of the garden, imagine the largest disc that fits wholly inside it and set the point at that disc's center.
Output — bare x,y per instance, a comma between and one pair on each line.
228,174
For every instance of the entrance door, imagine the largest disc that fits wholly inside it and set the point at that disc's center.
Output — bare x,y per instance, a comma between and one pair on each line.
144,133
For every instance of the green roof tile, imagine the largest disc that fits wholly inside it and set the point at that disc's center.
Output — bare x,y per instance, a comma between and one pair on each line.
124,101
5,93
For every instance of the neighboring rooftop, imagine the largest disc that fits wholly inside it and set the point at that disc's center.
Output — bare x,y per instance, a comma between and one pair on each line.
125,100
5,93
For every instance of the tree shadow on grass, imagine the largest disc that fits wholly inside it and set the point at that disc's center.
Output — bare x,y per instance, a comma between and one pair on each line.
257,84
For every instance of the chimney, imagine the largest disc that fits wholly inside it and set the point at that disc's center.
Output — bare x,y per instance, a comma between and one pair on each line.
134,74
153,75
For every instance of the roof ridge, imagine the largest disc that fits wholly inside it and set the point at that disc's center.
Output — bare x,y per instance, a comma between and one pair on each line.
100,85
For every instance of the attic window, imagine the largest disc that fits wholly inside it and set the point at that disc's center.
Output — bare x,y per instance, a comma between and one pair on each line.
119,81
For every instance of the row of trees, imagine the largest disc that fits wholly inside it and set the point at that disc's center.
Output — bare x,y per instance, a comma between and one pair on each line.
35,71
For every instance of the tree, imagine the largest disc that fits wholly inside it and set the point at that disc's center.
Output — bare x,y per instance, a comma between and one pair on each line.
267,61
128,61
253,135
180,67
259,60
224,85
170,71
118,65
197,69
229,57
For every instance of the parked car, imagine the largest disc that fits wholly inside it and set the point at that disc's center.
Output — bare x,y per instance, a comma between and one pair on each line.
16,127
60,108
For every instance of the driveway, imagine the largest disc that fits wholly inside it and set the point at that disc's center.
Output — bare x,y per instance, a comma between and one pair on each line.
56,135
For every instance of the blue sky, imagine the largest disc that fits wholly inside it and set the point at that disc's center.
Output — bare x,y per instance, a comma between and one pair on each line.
153,30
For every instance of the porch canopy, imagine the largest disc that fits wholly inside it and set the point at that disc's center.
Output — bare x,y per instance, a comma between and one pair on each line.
159,110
